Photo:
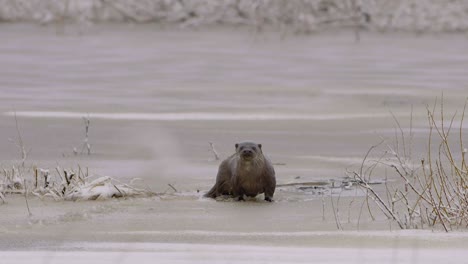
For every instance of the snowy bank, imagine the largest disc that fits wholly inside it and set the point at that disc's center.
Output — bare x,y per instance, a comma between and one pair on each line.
302,16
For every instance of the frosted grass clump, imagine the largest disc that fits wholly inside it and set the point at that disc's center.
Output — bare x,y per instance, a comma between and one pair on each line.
433,194
102,188
65,185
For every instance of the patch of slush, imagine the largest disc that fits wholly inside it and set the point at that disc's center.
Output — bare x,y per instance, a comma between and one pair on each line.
357,160
195,116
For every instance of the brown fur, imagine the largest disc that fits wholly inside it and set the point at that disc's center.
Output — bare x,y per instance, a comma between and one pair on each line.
247,172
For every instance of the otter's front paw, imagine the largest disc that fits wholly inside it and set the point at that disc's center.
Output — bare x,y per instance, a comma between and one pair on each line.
268,199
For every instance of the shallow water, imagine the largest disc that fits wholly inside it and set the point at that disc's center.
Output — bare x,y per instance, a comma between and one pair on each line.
156,97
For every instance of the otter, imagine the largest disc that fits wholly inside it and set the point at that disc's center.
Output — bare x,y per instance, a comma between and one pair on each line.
247,172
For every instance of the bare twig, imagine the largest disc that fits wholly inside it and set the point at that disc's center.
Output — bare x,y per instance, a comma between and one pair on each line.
20,142
86,144
172,187
323,207
26,198
335,213
2,196
437,194
213,150
380,202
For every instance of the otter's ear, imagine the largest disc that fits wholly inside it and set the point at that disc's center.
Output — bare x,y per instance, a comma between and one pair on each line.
237,145
260,146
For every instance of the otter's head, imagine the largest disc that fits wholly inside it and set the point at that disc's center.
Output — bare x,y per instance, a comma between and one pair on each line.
248,150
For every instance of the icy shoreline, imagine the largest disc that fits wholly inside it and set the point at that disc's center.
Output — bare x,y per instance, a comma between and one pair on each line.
304,16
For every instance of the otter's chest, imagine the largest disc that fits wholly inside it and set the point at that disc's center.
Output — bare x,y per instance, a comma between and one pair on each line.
248,170
249,179
247,167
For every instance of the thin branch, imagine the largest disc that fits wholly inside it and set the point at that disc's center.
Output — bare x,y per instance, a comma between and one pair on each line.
26,197
213,150
172,187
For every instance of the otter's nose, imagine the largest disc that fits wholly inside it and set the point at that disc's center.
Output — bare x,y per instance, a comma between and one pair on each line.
247,152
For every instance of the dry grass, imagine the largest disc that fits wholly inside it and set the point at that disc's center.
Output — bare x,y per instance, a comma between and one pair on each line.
70,185
73,184
433,194
298,16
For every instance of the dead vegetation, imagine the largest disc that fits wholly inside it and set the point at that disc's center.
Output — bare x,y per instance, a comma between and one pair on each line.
432,193
86,145
19,143
213,150
62,184
298,17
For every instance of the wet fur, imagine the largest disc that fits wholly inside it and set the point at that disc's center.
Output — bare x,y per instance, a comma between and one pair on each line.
238,176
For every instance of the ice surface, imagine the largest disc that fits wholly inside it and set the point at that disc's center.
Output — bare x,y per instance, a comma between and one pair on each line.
156,98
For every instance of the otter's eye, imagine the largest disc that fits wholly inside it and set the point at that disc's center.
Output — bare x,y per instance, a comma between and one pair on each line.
241,148
254,149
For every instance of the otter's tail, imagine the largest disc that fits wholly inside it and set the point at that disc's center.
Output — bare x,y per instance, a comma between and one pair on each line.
211,193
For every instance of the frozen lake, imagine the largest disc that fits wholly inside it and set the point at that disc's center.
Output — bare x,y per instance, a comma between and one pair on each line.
157,96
